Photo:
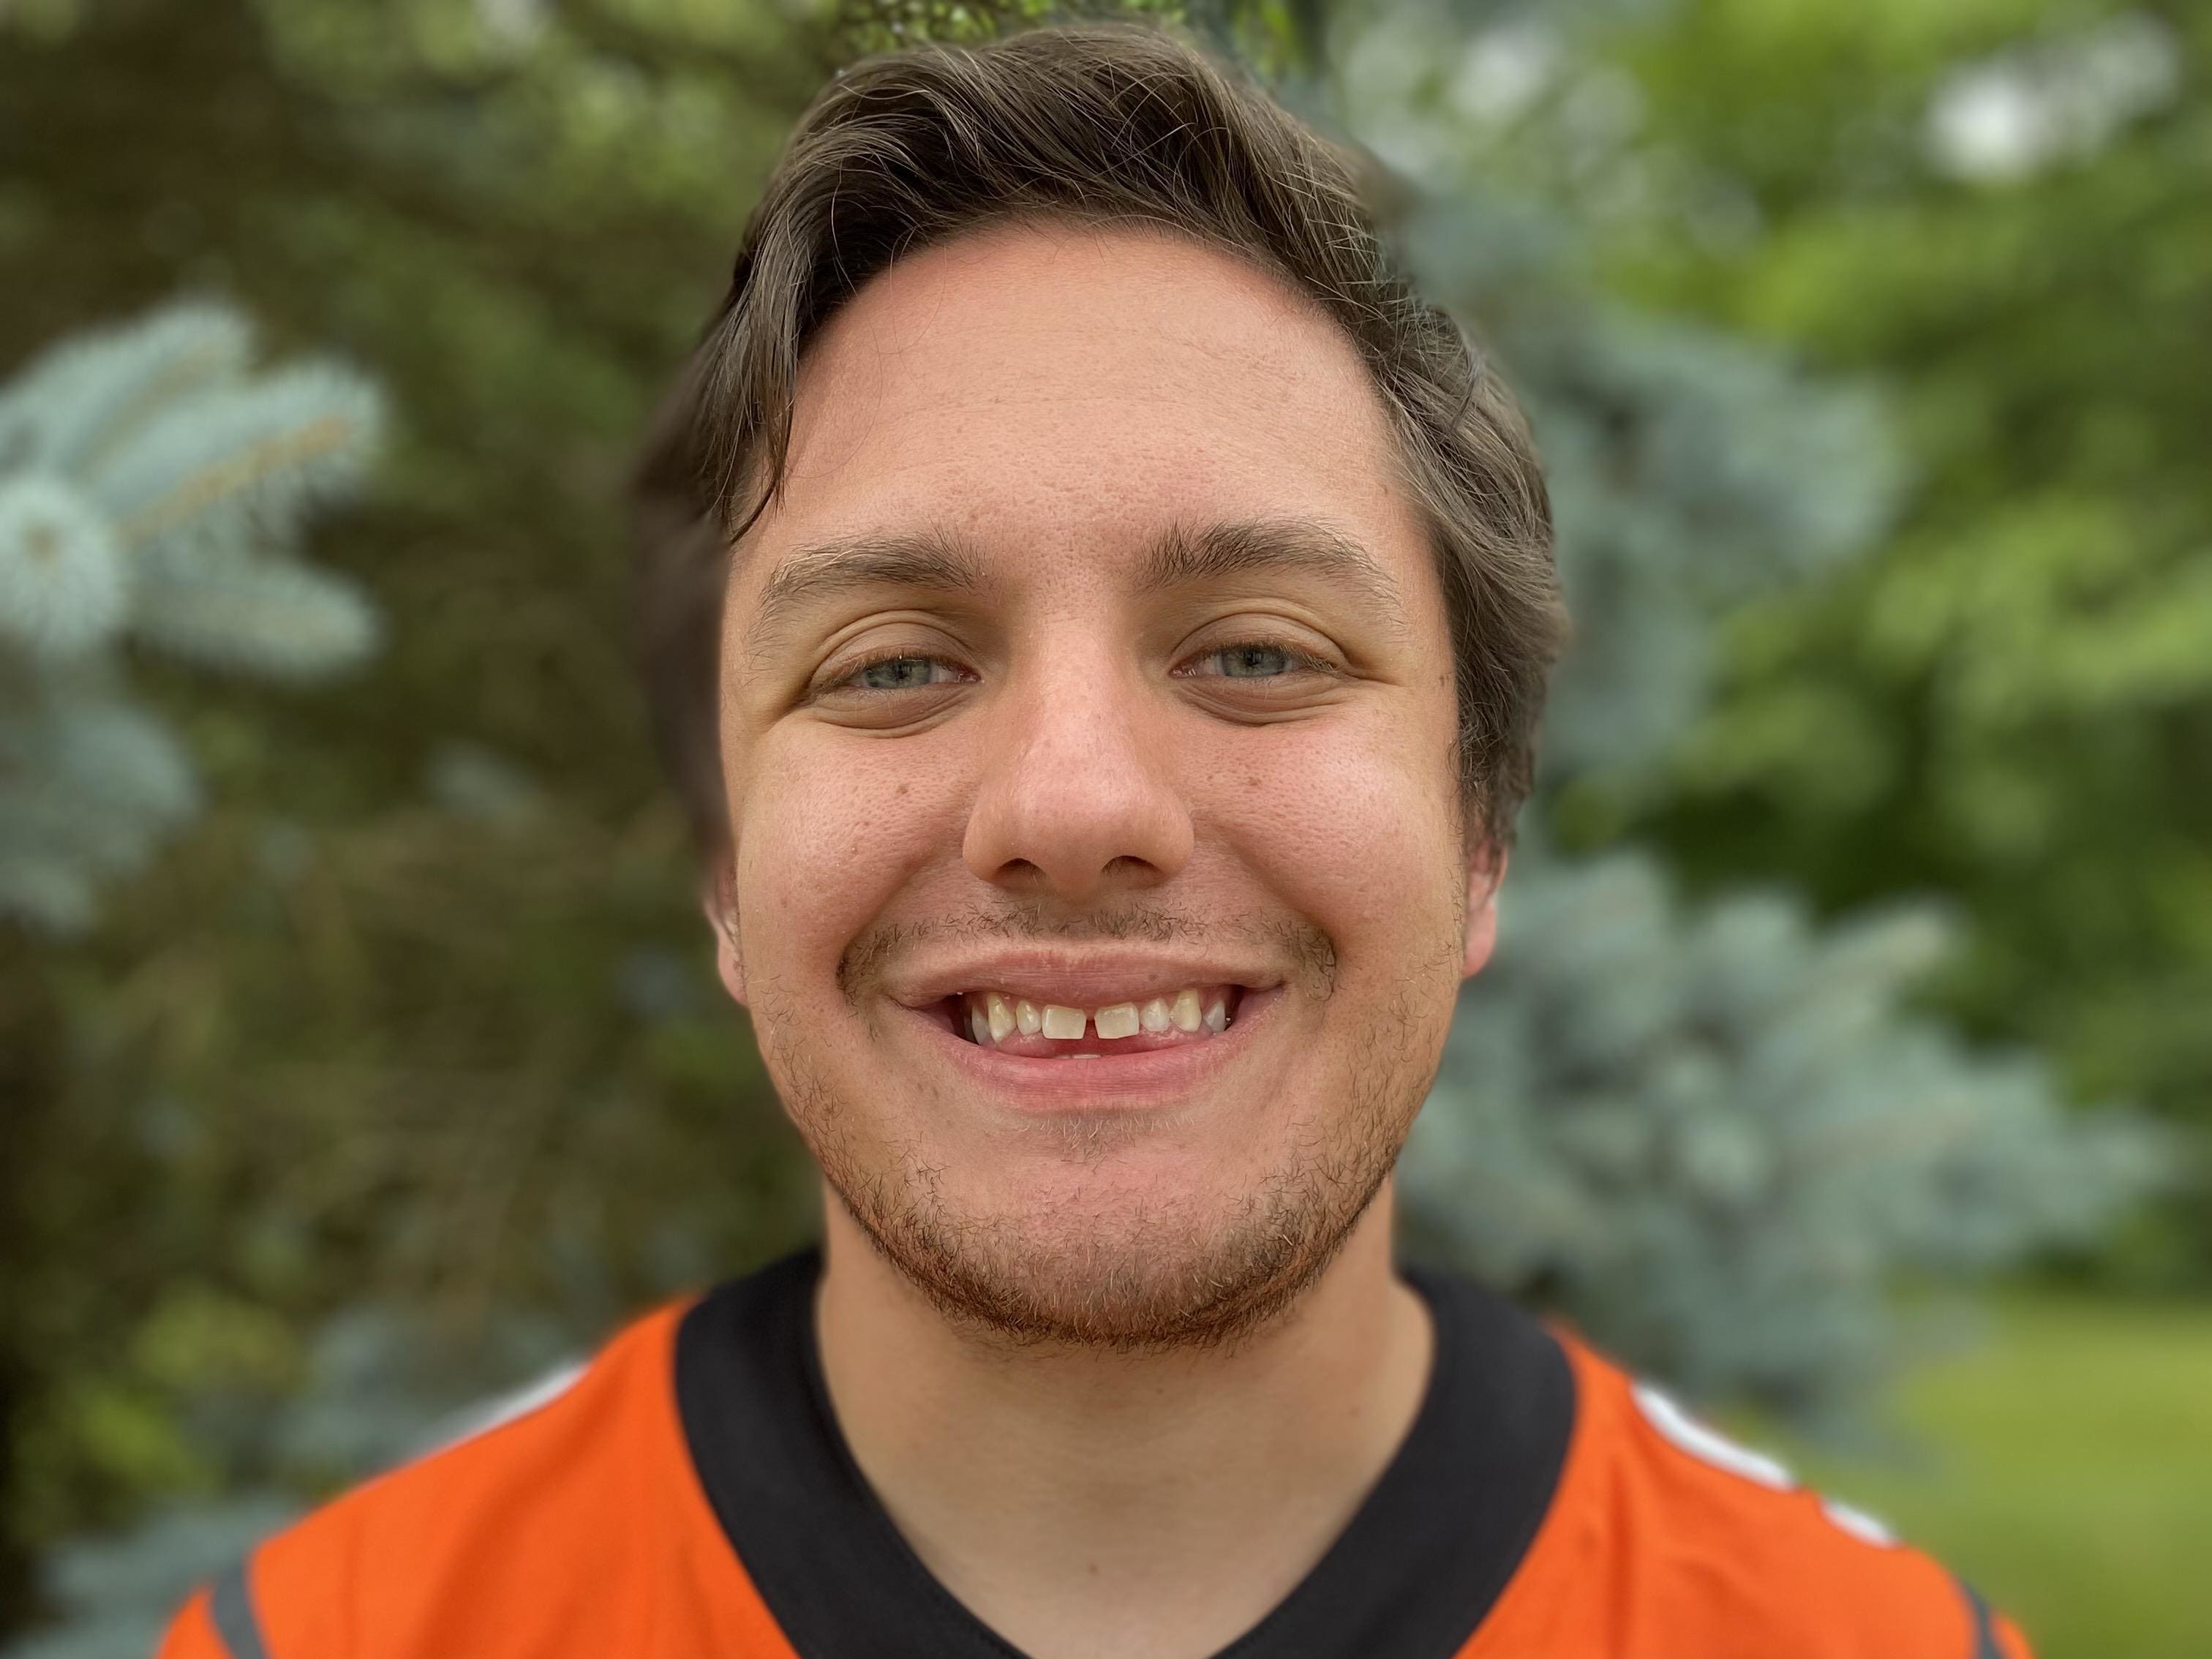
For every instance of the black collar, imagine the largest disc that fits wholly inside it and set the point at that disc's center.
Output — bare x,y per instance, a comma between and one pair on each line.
1412,1576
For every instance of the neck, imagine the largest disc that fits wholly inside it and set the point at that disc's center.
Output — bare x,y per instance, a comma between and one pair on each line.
1084,1503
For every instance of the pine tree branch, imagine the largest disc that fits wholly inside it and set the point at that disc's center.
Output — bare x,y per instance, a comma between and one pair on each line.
171,382
325,436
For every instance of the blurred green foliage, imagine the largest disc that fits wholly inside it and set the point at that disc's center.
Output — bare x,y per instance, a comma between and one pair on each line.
1996,212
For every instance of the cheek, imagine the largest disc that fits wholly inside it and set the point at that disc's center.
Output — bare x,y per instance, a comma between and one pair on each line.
1354,827
825,842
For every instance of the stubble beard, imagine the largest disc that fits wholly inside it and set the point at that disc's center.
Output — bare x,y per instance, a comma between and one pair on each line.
1131,1281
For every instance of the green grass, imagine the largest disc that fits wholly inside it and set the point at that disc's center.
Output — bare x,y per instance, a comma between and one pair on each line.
2064,1467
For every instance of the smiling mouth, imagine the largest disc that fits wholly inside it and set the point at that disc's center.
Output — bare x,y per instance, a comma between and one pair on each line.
1012,1024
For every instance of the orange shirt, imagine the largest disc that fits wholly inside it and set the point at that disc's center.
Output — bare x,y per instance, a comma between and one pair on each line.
613,1519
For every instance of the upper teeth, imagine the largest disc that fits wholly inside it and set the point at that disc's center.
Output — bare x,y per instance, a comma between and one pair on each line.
998,1016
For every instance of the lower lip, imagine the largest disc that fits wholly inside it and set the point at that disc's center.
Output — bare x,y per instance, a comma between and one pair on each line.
1111,1082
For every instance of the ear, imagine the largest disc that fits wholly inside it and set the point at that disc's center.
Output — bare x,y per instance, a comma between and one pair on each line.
1486,870
718,903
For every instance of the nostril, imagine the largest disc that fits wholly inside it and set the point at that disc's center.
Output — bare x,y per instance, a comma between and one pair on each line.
1076,882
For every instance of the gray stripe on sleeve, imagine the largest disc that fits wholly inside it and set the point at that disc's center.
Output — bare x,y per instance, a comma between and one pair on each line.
1986,1630
231,1608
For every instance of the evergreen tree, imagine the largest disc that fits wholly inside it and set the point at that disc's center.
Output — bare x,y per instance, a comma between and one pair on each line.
153,487
1998,211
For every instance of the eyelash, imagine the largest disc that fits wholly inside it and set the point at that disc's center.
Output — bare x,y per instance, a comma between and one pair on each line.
844,682
1300,661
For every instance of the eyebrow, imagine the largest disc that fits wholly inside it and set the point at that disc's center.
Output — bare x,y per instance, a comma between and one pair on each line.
1181,557
927,561
1268,546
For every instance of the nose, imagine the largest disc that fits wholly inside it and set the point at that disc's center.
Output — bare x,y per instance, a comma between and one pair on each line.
1077,796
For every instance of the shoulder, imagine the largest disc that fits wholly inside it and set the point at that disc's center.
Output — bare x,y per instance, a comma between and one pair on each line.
481,1546
1666,1538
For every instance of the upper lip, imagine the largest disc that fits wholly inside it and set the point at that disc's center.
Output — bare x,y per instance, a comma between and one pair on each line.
1074,979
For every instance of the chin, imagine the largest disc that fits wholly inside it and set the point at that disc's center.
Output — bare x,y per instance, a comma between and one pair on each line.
1124,1259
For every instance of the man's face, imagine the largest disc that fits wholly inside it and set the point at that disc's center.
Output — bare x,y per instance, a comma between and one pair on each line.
1091,673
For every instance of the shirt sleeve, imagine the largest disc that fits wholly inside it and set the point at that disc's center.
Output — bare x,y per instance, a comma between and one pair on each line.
1995,1636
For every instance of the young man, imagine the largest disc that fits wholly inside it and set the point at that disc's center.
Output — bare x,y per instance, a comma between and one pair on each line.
1098,615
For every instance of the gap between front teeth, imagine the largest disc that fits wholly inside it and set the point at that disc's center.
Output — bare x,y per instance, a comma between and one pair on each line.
1000,1016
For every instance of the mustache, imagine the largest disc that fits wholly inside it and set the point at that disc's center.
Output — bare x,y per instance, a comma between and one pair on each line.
1307,951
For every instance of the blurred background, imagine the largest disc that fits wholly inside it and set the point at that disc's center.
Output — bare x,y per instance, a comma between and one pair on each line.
1848,1061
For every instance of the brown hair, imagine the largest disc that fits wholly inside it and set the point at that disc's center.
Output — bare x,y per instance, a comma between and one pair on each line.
1102,125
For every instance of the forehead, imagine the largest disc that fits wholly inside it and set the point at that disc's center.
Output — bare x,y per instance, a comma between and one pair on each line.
1059,389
